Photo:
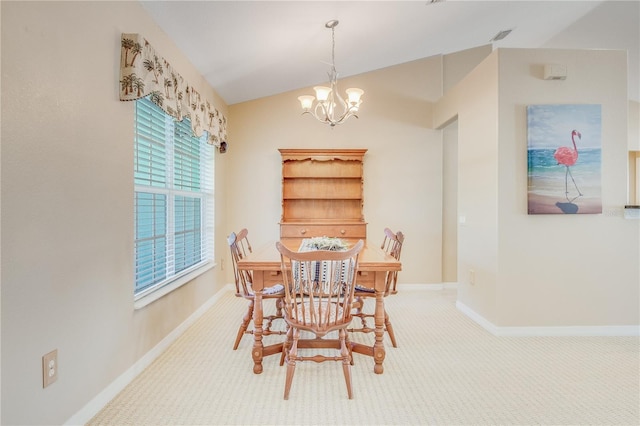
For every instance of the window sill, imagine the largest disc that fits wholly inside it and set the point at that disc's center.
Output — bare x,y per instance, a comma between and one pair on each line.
166,289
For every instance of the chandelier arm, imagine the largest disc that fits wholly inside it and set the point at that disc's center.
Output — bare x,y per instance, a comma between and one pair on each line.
347,114
343,103
345,117
323,118
325,113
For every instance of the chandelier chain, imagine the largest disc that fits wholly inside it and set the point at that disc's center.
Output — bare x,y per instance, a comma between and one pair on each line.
333,49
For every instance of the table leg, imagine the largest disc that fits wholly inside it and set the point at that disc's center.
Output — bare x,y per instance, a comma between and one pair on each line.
258,347
378,347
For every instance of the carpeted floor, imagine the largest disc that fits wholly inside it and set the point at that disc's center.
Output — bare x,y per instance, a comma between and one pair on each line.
447,370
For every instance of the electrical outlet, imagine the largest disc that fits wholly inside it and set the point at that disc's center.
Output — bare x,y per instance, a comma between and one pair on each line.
49,368
472,277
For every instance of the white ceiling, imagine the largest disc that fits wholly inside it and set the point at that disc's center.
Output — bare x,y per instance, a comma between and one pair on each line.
252,49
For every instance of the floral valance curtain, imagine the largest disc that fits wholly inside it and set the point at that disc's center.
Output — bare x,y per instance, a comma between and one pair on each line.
143,72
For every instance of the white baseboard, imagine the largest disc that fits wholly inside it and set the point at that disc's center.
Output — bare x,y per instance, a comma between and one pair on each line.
558,331
99,401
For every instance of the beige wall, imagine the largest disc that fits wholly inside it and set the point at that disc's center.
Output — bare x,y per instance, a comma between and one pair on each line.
634,153
632,177
456,66
540,270
574,266
474,101
67,207
450,203
402,167
634,126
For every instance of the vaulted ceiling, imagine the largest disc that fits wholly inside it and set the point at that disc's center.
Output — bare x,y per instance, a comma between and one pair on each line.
252,49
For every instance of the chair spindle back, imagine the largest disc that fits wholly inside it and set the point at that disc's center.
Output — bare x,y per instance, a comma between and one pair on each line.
319,287
240,248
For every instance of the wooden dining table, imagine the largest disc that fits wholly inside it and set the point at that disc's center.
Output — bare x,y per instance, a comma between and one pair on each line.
265,265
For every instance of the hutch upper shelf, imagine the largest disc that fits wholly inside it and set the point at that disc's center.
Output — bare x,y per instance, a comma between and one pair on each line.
322,193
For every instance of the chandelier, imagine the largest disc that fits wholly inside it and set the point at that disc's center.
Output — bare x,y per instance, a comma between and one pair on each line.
330,108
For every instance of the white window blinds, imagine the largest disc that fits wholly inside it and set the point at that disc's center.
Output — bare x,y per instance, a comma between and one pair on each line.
173,175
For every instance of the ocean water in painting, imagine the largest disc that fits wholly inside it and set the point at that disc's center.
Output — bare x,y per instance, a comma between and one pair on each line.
547,177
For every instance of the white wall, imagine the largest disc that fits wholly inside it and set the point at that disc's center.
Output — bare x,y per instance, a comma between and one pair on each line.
67,207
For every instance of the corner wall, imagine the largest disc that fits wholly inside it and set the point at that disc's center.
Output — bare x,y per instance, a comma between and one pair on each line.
474,103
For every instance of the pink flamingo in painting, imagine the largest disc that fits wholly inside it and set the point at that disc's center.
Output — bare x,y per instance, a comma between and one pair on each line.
568,157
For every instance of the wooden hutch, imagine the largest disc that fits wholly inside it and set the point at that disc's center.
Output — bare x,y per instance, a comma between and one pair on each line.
322,193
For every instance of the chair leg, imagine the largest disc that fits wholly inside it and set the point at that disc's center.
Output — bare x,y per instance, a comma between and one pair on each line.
291,363
346,362
389,328
350,353
286,345
245,324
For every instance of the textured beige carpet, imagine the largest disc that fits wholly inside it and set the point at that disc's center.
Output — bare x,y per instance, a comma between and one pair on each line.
446,370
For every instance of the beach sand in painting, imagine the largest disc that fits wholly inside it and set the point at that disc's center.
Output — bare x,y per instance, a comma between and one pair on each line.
548,183
544,204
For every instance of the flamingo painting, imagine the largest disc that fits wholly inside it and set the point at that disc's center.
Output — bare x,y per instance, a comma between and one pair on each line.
568,157
580,158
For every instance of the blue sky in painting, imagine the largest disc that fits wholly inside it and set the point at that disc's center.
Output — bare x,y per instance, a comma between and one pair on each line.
550,126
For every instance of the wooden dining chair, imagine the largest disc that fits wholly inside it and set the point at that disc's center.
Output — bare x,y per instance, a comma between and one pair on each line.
319,289
240,248
392,245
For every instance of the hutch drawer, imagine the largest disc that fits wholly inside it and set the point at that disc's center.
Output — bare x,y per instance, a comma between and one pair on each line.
289,230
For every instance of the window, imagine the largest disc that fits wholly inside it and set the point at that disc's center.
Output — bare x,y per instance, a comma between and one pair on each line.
173,176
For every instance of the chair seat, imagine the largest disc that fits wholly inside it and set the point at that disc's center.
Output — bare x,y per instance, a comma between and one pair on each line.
274,289
302,312
365,289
